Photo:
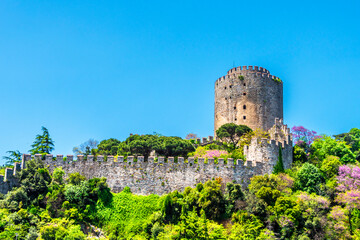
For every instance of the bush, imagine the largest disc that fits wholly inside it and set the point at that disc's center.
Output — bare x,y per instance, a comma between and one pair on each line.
309,179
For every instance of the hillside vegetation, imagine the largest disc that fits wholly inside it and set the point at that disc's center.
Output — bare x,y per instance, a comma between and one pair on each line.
318,198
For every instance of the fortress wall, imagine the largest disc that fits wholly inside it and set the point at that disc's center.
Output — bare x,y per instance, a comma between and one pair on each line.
144,177
160,177
164,175
267,152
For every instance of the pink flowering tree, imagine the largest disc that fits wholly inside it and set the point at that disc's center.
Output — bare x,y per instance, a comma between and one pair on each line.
348,178
349,194
303,136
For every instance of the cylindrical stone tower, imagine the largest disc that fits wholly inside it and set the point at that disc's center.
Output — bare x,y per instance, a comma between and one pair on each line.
248,96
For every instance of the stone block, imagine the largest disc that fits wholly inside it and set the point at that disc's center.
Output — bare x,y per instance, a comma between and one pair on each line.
9,173
80,157
17,168
38,156
90,158
170,160
59,158
161,159
110,158
24,159
220,161
120,159
100,158
191,160
150,160
130,159
48,157
140,159
230,161
201,161
180,160
69,158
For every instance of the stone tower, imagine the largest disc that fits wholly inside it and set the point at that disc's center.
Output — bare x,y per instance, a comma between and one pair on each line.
248,96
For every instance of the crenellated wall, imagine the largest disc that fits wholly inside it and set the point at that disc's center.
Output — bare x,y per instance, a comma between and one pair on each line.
147,177
165,175
267,149
9,181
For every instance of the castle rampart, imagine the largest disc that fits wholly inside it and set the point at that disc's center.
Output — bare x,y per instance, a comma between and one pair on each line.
162,175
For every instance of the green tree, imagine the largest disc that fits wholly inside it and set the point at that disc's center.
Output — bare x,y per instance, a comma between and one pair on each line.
246,226
143,145
14,156
326,146
75,178
35,179
279,166
211,200
352,138
174,147
299,154
231,133
43,143
330,166
309,179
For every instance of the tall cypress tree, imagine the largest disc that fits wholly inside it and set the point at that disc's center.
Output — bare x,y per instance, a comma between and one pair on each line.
279,167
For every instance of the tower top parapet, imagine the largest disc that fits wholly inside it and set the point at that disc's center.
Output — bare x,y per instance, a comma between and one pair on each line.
248,68
244,70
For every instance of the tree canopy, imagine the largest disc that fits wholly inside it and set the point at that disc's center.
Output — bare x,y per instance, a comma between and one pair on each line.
231,133
43,143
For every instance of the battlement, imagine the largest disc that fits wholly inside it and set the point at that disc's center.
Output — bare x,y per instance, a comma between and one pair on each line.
204,141
267,150
256,71
144,176
61,160
281,132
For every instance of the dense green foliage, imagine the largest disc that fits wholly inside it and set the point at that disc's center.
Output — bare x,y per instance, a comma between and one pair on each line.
318,198
231,133
143,145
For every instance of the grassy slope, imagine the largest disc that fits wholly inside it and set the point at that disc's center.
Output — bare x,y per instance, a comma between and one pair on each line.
128,211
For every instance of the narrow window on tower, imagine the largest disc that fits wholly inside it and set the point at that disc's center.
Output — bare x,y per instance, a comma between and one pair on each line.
235,119
244,84
225,88
244,107
234,107
225,98
244,93
230,86
244,117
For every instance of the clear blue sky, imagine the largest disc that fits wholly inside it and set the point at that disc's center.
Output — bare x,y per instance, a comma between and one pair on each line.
102,69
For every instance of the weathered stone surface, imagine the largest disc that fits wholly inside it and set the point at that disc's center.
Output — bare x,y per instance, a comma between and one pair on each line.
161,177
254,101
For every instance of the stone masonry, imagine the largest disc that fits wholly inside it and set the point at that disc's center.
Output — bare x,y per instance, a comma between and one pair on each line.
248,96
166,175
